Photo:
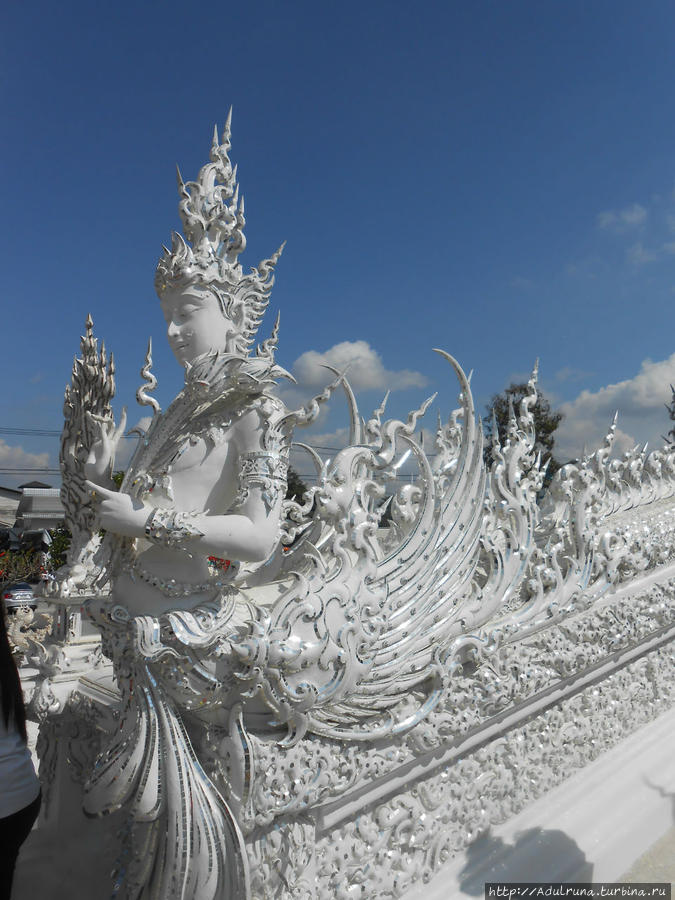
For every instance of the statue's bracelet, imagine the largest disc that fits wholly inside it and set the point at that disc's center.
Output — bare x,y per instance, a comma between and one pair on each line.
170,528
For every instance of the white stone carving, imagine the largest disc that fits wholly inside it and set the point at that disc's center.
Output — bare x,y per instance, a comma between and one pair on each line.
331,659
27,630
386,850
86,407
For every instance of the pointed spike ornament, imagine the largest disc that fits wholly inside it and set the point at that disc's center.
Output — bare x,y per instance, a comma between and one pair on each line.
495,430
267,348
227,128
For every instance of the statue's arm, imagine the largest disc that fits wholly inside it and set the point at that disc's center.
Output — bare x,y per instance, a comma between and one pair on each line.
249,533
251,530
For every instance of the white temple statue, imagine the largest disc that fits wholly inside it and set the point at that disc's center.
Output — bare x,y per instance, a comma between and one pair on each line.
273,656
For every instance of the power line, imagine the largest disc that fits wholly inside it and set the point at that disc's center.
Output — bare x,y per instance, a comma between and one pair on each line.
41,432
316,447
30,471
50,432
44,432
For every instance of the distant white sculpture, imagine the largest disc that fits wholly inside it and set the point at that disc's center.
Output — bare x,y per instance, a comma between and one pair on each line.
233,615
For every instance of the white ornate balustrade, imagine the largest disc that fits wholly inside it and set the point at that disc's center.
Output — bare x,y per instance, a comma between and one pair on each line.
383,696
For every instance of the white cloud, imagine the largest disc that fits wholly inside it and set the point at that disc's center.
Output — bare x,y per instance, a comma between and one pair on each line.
18,458
334,440
622,219
126,448
639,255
365,369
640,402
339,438
570,373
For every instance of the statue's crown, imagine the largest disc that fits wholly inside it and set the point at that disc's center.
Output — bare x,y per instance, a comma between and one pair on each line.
212,213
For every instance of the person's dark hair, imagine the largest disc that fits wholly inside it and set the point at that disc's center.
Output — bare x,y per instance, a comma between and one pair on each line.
11,695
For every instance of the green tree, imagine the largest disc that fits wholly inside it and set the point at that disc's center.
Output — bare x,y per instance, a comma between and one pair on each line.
546,422
296,486
19,565
58,549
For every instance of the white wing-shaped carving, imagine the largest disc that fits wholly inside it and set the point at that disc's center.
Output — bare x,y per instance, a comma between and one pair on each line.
366,638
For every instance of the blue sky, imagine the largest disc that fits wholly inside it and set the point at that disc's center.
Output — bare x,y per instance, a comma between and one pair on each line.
497,179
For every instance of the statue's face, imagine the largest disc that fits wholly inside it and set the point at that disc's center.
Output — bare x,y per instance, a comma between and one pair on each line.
195,322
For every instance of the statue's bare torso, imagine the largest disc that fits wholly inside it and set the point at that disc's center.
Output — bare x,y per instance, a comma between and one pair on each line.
204,480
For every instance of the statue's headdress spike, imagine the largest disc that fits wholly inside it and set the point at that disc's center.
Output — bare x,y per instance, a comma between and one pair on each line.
212,212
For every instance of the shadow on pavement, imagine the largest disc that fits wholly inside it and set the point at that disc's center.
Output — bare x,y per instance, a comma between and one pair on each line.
536,855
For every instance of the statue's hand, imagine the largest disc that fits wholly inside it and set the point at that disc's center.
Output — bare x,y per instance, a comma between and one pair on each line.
102,452
117,512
